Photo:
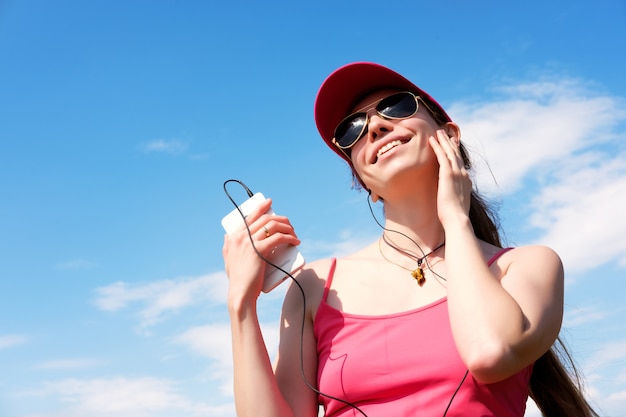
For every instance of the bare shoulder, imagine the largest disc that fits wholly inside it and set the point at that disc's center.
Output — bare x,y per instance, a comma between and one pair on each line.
310,282
534,256
535,265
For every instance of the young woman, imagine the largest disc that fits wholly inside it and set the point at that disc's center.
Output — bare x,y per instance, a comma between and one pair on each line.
434,318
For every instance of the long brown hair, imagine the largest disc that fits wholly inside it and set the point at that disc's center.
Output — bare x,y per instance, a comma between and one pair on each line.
555,384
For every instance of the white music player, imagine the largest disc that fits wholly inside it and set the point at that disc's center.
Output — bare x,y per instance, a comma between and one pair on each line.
286,257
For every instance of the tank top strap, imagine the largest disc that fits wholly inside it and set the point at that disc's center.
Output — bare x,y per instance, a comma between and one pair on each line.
497,255
329,278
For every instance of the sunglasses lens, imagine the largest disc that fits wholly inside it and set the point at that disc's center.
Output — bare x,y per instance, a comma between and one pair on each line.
350,130
398,106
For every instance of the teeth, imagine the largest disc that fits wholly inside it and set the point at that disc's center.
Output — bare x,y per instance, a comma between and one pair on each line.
388,146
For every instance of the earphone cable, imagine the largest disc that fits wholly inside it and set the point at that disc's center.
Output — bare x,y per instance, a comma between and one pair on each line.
305,379
424,257
456,391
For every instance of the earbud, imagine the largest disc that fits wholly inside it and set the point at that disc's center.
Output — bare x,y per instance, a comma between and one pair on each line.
372,197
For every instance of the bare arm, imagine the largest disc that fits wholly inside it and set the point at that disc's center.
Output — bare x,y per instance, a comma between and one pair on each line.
257,390
297,351
505,317
501,325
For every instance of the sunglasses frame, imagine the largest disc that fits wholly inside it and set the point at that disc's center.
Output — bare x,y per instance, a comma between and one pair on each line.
375,105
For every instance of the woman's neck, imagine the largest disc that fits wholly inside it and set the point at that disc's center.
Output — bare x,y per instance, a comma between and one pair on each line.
414,215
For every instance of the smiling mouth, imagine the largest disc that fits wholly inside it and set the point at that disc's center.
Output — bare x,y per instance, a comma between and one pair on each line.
388,147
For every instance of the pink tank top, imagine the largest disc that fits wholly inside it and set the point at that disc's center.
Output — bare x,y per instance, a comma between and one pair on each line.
404,364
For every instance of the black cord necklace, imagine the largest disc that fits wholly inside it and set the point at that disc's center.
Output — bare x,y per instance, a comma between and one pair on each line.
424,256
417,273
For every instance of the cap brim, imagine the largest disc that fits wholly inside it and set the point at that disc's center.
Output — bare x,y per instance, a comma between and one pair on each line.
346,85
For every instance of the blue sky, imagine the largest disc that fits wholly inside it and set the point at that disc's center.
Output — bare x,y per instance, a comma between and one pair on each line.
120,120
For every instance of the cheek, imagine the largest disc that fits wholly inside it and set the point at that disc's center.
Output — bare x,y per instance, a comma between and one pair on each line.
358,162
357,154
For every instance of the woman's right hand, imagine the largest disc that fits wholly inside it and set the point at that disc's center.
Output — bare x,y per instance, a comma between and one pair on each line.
245,269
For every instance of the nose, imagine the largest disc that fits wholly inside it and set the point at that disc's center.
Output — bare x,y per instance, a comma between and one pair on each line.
378,126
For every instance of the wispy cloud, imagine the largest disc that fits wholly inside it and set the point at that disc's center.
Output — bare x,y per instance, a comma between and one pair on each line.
11,340
68,364
584,315
214,341
172,146
609,354
586,203
345,243
535,125
565,138
122,397
155,300
606,372
158,298
74,265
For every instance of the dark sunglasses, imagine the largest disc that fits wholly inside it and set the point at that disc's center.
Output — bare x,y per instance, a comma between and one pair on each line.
396,106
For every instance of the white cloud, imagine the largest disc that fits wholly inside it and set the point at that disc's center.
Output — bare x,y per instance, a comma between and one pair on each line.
608,355
606,372
345,244
531,409
535,125
214,341
67,364
584,315
161,297
585,210
122,397
615,403
568,140
173,146
11,340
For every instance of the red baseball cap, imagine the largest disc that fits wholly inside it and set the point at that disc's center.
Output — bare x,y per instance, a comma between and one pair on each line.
348,84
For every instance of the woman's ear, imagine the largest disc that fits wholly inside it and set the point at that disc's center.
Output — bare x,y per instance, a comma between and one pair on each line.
454,132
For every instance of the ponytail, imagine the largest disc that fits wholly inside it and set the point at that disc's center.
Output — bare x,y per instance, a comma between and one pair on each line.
556,391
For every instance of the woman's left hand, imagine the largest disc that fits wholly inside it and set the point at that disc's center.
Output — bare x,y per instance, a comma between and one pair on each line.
455,185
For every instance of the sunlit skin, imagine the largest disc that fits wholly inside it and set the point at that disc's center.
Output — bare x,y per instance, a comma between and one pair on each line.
414,157
407,175
502,317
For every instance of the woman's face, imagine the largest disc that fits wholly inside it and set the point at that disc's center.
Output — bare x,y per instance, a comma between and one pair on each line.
392,147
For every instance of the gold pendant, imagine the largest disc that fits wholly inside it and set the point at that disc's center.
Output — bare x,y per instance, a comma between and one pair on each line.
418,274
